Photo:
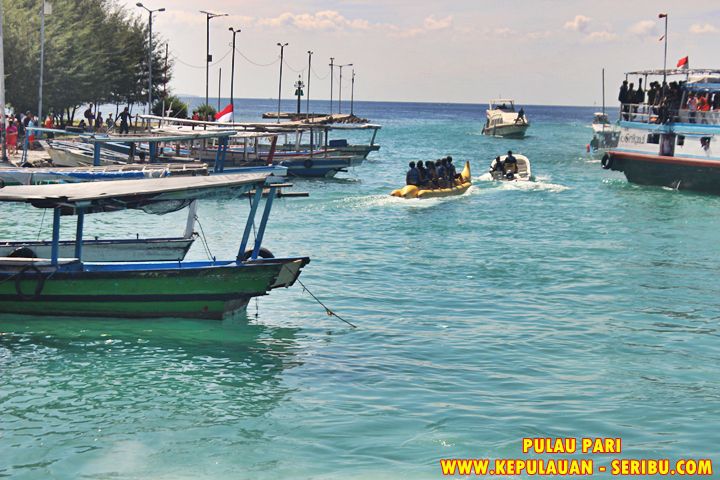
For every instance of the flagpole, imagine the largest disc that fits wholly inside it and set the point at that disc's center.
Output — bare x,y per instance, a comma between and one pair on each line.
665,16
2,90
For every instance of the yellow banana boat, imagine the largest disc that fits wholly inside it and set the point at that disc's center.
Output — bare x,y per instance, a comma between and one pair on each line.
412,191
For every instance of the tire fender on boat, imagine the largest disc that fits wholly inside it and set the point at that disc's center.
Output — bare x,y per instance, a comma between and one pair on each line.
263,253
606,162
308,164
38,287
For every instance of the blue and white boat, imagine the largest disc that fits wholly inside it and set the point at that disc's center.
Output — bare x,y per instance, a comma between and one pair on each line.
670,143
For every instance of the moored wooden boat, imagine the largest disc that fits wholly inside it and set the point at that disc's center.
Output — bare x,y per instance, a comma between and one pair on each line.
74,287
461,186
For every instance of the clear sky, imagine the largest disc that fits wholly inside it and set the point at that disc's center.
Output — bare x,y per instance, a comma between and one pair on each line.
537,51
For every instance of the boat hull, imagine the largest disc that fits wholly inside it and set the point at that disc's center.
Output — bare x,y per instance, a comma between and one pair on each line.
507,131
191,289
673,172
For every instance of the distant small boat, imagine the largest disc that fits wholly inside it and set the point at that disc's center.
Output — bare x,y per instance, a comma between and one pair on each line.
503,121
605,134
523,174
412,191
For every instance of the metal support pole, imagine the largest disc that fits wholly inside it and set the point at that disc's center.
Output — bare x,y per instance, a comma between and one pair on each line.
307,99
263,222
96,155
153,151
2,89
282,50
332,66
218,167
42,59
352,93
232,74
340,92
149,108
219,85
55,249
207,58
79,233
254,202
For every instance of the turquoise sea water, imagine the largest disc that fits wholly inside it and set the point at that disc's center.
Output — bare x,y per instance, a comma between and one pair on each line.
578,305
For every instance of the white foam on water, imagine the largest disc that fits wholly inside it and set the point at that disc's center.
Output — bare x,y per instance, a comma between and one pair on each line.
541,183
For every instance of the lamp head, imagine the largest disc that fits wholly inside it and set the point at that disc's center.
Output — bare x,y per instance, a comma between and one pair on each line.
161,9
139,4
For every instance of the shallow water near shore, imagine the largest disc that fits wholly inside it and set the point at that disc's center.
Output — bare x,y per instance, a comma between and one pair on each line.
577,305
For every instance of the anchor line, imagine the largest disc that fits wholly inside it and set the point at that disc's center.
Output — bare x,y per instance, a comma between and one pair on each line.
329,312
42,221
204,239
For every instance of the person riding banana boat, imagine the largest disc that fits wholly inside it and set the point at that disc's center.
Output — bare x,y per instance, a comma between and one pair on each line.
434,179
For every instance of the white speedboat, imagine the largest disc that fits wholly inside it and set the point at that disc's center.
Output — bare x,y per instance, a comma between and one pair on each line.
500,171
503,121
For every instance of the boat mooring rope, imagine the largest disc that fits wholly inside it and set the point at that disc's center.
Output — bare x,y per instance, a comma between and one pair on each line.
42,221
204,239
329,312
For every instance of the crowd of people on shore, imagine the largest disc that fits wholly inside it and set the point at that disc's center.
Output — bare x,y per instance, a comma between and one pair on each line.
663,102
432,174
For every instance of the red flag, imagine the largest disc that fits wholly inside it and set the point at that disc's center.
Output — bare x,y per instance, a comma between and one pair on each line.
682,63
224,114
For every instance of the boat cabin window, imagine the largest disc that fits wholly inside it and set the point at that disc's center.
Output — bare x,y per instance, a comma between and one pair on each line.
681,140
653,138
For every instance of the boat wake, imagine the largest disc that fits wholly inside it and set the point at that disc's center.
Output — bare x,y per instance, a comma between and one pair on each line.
541,183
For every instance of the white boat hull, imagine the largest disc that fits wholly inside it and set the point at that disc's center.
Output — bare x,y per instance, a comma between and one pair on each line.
140,250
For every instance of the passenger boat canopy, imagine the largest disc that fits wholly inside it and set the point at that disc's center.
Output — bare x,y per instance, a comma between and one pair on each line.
159,195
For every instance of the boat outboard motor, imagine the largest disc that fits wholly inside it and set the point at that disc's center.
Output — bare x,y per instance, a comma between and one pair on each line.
510,176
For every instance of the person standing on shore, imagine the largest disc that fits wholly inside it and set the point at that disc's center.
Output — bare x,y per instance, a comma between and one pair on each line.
125,121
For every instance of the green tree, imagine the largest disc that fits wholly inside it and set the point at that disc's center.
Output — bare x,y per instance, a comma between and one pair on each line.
95,52
179,109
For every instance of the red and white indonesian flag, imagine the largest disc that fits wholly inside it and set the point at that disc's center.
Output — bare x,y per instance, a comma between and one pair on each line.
683,63
225,114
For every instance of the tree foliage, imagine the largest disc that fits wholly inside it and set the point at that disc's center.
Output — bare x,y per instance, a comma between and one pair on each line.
177,107
95,52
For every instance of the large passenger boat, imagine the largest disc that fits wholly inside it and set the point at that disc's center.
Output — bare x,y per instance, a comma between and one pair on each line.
672,138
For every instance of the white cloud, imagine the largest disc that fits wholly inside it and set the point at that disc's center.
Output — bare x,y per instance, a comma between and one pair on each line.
704,28
600,37
643,28
578,24
323,20
432,23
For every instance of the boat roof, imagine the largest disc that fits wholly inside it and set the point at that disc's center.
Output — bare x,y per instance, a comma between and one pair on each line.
264,126
676,71
186,130
169,137
143,194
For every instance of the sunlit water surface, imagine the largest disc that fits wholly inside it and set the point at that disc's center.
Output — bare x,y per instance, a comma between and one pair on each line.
578,305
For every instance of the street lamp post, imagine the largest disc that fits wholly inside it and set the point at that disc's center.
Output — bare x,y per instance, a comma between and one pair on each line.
307,99
282,52
150,48
332,66
208,58
665,16
340,88
352,92
232,73
45,9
